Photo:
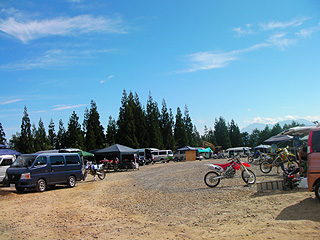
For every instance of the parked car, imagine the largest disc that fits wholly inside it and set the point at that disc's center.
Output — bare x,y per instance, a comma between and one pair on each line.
313,172
42,170
5,162
179,155
162,155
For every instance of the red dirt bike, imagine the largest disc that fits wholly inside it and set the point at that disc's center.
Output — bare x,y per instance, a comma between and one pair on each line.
110,164
228,170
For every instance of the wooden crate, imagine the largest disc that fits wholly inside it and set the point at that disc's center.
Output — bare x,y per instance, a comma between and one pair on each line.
269,185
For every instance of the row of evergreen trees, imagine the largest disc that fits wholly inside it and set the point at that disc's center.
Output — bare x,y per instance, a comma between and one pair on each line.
135,127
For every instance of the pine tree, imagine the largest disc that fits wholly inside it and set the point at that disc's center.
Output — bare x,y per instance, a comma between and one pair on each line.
180,136
276,129
3,139
126,127
140,122
94,135
234,135
221,133
25,143
188,126
51,134
111,132
61,136
166,127
42,137
153,125
74,134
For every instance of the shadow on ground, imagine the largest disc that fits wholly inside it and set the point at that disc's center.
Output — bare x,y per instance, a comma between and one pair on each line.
307,209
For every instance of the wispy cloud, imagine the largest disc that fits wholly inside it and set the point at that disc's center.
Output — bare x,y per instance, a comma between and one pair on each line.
26,31
241,31
280,40
64,107
10,101
306,32
281,25
54,58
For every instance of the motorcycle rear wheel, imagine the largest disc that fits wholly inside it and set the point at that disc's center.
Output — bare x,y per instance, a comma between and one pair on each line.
265,167
248,177
211,179
101,174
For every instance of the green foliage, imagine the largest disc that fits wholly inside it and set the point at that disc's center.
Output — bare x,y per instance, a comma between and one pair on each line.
221,133
94,131
111,132
180,135
74,134
61,136
234,135
153,124
3,139
166,127
52,137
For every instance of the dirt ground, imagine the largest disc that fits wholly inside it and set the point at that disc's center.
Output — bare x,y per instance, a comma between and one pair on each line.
160,201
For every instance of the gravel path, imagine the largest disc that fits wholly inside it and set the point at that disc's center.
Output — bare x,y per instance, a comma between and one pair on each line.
160,201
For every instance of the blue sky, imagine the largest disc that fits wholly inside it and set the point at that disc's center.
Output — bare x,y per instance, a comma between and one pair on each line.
251,61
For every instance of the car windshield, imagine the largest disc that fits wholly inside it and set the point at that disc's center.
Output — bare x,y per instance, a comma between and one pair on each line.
24,161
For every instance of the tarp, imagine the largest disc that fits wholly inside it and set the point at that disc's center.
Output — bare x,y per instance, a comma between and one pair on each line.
304,130
261,146
116,148
278,138
85,154
187,148
207,150
7,151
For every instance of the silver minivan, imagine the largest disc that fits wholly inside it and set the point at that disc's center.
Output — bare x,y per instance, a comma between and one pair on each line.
162,155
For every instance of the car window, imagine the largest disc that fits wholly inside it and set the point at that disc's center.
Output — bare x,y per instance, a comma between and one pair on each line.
316,141
6,162
40,161
72,160
162,153
56,160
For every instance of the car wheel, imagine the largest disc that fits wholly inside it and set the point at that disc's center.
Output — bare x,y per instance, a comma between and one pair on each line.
41,185
71,181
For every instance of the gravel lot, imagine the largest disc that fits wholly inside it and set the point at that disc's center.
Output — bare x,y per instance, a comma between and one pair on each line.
160,201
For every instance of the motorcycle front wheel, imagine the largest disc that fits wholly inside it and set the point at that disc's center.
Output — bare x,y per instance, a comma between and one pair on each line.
250,159
211,179
265,167
101,174
248,176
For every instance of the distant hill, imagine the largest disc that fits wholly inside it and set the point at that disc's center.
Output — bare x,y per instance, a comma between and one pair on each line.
261,126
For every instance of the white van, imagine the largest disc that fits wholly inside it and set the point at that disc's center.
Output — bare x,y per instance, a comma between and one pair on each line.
162,155
238,151
5,162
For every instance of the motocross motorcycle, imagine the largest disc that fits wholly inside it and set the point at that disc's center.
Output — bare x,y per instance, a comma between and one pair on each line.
94,170
108,164
228,170
283,157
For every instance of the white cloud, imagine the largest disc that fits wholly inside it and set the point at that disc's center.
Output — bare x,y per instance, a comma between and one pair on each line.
306,32
249,109
53,58
63,26
280,41
111,76
276,25
201,121
243,31
102,81
10,101
64,107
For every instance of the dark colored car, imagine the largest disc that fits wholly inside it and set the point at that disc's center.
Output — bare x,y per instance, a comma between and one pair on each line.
42,170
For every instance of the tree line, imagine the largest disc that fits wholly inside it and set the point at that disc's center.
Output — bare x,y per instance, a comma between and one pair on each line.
136,127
